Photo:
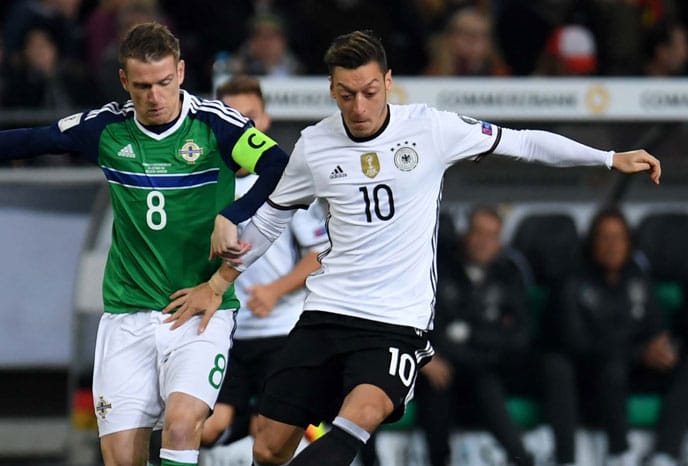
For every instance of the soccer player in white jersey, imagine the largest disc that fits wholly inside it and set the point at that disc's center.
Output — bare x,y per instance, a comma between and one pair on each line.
271,293
356,350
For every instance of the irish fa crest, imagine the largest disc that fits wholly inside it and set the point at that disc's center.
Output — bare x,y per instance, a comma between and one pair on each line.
370,164
406,159
190,151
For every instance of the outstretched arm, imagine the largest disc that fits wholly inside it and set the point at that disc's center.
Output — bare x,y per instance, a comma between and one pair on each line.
638,161
555,149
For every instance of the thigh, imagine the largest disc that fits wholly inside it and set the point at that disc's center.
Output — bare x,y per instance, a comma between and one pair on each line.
125,379
193,363
304,386
392,365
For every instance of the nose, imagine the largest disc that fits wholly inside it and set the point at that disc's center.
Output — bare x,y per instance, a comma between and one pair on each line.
153,94
359,105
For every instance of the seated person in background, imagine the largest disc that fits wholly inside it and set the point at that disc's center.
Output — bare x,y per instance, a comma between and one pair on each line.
271,293
663,369
481,324
605,316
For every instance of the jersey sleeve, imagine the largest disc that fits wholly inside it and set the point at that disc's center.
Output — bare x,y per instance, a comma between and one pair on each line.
295,189
463,137
550,149
309,228
70,135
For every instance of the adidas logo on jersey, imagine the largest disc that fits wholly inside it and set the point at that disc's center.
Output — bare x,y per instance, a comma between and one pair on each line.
337,173
127,151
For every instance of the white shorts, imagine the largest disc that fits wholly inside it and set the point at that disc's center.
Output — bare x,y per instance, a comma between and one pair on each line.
139,362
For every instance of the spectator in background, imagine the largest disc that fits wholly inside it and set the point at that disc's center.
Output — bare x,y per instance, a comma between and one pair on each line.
606,313
666,50
466,47
570,51
481,326
39,78
60,16
619,26
135,12
266,52
102,30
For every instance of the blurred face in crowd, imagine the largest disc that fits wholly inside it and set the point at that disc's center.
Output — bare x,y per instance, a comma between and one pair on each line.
469,39
674,55
154,88
361,95
40,52
268,44
482,240
252,106
611,244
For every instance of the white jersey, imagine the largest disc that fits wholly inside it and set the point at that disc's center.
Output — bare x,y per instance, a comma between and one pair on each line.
305,233
384,200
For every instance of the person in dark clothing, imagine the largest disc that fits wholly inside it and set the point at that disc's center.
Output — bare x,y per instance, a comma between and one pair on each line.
606,316
480,324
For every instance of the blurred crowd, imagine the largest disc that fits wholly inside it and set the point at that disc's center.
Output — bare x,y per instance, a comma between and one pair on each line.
63,53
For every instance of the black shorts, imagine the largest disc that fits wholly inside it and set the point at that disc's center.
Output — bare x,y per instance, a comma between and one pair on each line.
250,361
328,355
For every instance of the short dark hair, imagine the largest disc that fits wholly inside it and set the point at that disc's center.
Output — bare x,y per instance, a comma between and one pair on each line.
148,42
356,49
240,84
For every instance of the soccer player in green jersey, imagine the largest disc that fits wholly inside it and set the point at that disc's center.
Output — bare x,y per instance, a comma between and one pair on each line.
170,160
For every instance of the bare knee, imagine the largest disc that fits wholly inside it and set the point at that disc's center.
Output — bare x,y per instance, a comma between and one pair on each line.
183,422
180,432
275,442
267,453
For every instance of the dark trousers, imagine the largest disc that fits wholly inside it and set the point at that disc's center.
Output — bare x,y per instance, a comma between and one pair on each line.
596,388
673,417
478,394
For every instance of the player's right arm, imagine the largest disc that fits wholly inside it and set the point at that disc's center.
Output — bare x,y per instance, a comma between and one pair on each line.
69,135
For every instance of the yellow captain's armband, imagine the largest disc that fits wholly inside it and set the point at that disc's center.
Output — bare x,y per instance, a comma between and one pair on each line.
250,147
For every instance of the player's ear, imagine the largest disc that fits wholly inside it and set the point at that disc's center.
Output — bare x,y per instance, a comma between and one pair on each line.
123,79
181,66
388,80
331,87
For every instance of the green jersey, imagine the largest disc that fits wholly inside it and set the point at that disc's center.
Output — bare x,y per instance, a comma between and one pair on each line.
166,190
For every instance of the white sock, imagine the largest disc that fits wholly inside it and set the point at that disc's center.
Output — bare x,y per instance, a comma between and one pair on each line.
180,456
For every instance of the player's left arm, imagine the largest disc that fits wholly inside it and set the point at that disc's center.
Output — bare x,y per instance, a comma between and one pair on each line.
257,153
557,150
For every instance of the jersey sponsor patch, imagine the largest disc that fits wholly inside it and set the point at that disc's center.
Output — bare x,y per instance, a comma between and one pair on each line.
69,122
250,147
487,128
